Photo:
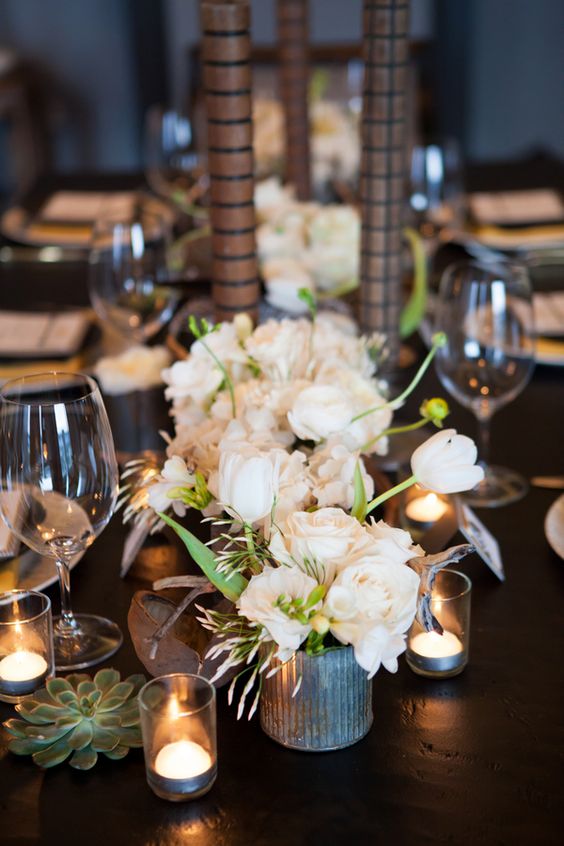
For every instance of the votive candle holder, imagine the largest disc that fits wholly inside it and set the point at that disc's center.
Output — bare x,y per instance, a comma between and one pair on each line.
26,643
442,656
178,724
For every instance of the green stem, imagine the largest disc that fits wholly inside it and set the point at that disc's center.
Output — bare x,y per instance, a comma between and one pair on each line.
438,341
252,548
395,431
226,376
392,492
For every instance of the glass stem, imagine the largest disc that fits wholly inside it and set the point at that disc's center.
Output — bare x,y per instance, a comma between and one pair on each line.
484,440
67,623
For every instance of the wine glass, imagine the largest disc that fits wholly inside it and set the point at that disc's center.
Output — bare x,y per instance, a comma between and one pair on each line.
128,277
486,312
436,185
57,454
174,168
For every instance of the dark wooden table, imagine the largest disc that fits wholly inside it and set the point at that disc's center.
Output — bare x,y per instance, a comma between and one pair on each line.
472,760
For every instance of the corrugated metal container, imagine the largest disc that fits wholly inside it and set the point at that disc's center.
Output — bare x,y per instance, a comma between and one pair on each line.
332,709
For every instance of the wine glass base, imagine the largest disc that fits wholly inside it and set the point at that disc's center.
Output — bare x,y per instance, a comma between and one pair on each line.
95,640
501,486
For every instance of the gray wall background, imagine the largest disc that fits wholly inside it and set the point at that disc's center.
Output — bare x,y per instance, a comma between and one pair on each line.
514,78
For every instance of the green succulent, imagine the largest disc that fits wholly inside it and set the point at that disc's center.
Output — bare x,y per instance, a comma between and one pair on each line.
78,716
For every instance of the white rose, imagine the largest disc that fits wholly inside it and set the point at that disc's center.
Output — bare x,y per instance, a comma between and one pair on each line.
319,411
137,369
385,592
378,646
341,609
332,471
174,474
258,604
225,345
271,196
320,539
283,278
197,378
445,463
390,543
281,349
248,482
294,493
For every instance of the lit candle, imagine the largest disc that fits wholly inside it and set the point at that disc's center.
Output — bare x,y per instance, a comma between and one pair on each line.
434,645
431,653
426,509
183,759
22,672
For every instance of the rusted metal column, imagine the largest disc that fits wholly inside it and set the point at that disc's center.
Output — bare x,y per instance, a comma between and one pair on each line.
382,178
226,48
293,39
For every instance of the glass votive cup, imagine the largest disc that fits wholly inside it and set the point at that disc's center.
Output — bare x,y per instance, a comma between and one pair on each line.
178,724
26,643
421,510
442,656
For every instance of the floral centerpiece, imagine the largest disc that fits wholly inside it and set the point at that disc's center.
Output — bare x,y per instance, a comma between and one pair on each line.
271,427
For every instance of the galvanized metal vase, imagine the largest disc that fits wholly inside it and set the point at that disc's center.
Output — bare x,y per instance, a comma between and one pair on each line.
332,709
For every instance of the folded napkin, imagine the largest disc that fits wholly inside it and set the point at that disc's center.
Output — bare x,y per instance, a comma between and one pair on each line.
13,506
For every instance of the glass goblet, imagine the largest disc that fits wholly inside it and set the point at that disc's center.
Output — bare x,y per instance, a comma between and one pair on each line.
57,455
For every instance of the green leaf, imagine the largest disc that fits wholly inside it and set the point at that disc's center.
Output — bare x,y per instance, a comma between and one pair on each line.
53,755
106,679
115,697
360,502
17,728
104,740
131,737
56,686
84,759
69,699
231,587
81,736
308,297
76,678
117,753
24,747
137,680
129,714
414,309
85,688
44,714
315,596
108,721
47,733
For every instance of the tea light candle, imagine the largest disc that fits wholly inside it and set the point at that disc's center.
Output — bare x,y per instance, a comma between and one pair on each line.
432,652
426,509
22,672
182,759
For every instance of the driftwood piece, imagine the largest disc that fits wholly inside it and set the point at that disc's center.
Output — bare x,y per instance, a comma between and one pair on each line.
226,49
184,645
293,45
427,567
383,165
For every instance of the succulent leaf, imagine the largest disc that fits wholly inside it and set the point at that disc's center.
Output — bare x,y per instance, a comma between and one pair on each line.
104,740
78,717
54,754
106,679
84,759
117,753
81,735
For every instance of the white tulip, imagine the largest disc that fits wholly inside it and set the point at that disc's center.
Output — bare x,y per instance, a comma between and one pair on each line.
248,482
258,604
446,463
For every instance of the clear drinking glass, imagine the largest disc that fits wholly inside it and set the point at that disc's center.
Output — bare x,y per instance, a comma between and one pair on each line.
128,277
174,168
442,656
178,724
436,196
486,312
57,454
